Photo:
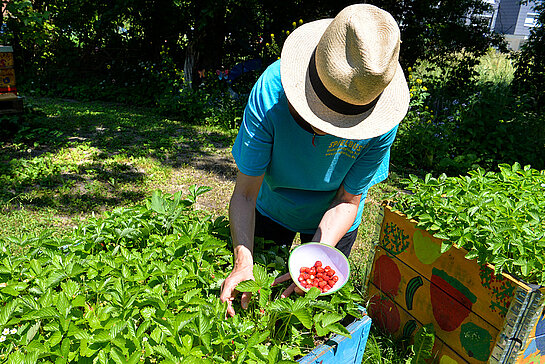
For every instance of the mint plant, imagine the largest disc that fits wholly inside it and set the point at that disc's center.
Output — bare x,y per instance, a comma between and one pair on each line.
498,217
142,284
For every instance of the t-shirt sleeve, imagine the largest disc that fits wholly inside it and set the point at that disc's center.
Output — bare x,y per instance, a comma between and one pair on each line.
371,167
253,145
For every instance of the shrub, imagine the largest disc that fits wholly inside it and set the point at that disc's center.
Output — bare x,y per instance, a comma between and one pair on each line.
451,132
530,61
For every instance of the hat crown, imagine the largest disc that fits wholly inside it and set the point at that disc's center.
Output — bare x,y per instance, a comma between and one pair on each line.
357,56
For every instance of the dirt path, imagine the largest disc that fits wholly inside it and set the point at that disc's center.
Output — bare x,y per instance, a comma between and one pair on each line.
216,170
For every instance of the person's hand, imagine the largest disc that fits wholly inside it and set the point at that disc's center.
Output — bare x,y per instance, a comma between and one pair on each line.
228,288
292,288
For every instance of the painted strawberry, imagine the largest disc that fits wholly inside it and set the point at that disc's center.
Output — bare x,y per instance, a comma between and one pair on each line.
451,301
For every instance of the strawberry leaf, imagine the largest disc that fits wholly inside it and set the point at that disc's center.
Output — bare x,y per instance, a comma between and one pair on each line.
248,286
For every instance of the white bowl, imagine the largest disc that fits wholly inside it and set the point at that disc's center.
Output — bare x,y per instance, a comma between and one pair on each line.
305,255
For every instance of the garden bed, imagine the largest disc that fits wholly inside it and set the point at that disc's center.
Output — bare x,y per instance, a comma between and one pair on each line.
412,284
421,276
142,284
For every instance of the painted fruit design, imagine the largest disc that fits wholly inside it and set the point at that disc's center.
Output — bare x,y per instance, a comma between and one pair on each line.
426,250
476,341
387,276
384,313
451,301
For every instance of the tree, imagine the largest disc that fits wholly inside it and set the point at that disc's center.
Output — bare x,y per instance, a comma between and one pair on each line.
530,61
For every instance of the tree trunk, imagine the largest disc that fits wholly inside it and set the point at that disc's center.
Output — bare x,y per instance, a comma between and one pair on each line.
205,49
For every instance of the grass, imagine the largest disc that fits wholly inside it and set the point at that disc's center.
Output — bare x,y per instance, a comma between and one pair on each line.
495,67
77,159
82,158
382,349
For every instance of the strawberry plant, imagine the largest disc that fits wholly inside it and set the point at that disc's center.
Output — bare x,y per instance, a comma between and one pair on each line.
496,216
142,284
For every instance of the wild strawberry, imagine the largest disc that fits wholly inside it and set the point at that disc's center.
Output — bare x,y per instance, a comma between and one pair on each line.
335,278
318,263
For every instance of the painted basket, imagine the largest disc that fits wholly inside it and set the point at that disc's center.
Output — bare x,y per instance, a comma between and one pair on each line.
341,349
478,317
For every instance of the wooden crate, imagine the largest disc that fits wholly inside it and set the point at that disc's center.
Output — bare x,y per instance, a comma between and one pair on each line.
6,57
7,72
10,104
478,317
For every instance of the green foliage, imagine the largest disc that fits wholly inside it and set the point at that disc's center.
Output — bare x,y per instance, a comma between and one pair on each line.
30,27
423,345
496,216
420,135
213,103
454,130
383,349
134,51
451,34
142,284
530,61
495,67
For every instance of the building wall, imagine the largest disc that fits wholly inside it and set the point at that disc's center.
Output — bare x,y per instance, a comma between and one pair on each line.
523,27
507,16
511,17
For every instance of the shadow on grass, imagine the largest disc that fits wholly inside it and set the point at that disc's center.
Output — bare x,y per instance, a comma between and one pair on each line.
99,144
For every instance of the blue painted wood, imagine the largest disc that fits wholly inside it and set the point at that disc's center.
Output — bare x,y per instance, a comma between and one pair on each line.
341,349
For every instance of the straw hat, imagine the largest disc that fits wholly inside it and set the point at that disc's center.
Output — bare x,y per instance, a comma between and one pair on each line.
343,76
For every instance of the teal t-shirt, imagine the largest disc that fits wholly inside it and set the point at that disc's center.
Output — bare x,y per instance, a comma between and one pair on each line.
302,178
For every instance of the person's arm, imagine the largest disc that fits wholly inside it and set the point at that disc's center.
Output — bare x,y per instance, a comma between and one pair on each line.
338,218
335,223
242,222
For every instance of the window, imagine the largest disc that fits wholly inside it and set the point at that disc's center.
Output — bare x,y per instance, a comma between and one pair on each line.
531,20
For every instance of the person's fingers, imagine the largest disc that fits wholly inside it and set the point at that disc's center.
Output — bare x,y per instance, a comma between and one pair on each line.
228,289
282,278
230,309
245,299
288,291
228,294
299,291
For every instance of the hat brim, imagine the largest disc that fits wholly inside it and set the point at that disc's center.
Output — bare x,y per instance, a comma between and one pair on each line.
297,51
